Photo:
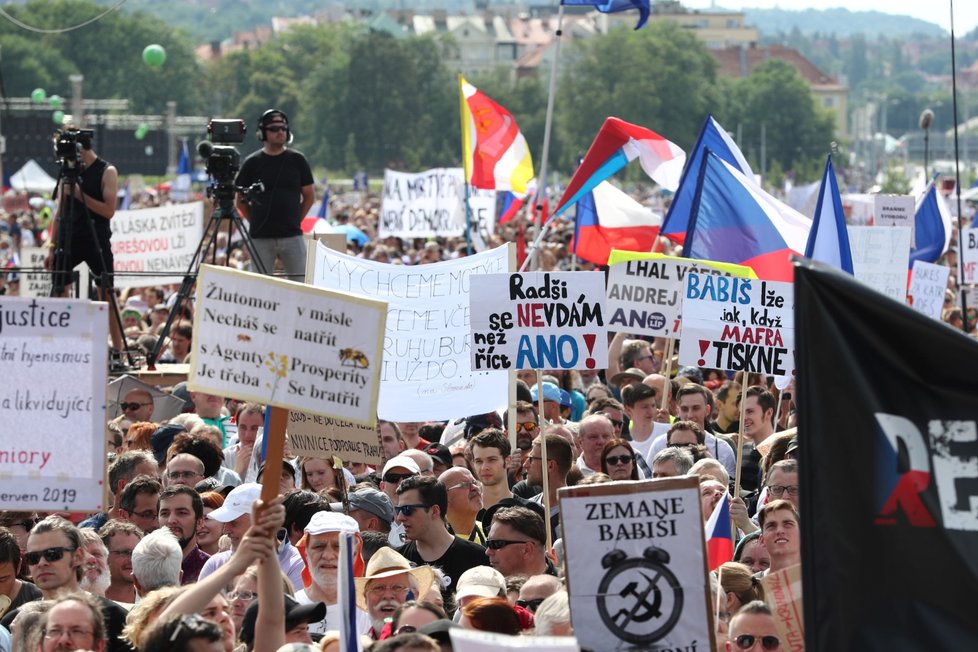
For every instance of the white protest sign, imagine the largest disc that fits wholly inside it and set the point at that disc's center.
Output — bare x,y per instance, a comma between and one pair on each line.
37,284
158,240
431,203
538,320
263,339
645,290
473,640
969,257
881,257
311,435
895,210
738,325
636,565
426,373
928,283
53,354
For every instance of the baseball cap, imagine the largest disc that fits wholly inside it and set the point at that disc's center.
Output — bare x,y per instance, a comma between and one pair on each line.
323,522
439,453
238,503
402,461
480,581
295,614
369,500
550,393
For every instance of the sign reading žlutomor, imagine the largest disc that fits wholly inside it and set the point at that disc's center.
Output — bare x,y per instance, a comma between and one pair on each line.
262,339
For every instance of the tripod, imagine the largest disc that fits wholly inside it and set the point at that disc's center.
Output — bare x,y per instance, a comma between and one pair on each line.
223,193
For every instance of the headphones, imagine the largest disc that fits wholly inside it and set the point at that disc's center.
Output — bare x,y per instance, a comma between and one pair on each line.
267,117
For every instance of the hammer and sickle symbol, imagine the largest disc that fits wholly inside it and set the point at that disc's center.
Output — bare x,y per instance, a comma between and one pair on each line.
643,610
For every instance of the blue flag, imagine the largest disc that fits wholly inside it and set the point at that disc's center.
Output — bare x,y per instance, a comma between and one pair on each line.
613,6
828,241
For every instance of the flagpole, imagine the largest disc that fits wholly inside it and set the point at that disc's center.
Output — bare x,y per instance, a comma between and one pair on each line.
965,326
466,168
548,125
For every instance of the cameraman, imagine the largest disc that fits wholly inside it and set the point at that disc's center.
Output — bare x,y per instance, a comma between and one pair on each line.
92,204
275,215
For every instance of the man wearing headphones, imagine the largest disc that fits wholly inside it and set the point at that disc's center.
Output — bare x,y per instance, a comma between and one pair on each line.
274,215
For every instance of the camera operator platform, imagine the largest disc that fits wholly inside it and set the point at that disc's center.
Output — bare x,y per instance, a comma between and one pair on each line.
86,194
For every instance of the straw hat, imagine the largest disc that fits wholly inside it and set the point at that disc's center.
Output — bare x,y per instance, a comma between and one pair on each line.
387,562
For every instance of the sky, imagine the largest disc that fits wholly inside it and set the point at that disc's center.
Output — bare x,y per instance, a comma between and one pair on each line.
965,11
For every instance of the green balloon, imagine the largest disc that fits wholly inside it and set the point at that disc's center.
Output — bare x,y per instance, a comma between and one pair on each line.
58,117
56,101
141,130
154,55
38,95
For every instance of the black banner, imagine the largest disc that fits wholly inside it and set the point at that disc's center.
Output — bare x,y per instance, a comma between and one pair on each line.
889,471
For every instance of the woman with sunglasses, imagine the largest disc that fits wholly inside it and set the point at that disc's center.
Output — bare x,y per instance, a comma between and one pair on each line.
618,460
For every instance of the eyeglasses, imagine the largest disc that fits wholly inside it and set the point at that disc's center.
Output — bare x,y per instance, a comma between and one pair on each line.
408,510
190,626
177,475
381,589
615,422
746,641
247,596
526,426
50,554
395,478
615,460
778,490
74,633
148,514
275,130
465,485
499,544
132,406
121,553
532,605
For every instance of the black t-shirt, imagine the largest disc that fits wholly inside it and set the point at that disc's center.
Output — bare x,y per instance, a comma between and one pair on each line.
460,557
275,212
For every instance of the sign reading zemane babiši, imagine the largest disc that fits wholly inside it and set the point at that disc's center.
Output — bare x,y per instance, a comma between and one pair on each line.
645,290
432,203
738,324
538,320
263,339
311,435
636,565
53,355
426,373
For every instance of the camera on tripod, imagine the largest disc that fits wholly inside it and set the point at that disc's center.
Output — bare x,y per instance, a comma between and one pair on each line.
68,146
224,161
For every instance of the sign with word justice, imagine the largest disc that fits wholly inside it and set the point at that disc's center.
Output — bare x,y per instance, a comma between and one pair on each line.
432,203
538,320
738,324
159,240
263,339
645,290
53,354
636,565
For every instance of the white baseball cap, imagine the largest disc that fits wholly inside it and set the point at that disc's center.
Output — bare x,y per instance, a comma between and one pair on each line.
323,522
238,503
402,461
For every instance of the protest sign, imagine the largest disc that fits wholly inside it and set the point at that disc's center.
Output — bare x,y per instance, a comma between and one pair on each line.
895,210
782,592
636,565
473,640
159,240
538,320
38,283
645,290
881,257
259,338
53,354
738,325
928,282
311,435
431,203
426,373
969,257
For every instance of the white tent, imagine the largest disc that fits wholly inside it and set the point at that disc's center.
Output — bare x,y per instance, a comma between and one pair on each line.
32,178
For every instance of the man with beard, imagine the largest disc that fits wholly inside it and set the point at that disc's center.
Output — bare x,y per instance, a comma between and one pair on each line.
388,581
182,511
96,578
120,538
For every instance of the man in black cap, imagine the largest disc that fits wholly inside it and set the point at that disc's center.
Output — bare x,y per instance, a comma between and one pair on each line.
297,619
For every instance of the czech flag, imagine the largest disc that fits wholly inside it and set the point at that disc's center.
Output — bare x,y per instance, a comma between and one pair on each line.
494,152
346,594
719,537
607,219
734,221
617,144
828,241
715,138
932,227
612,6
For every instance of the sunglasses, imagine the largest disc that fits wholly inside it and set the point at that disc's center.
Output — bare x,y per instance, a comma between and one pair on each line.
408,510
746,642
132,406
532,605
615,460
50,554
395,478
275,130
499,544
526,426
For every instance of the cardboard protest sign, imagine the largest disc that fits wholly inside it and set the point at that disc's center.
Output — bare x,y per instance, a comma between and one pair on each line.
311,435
881,257
969,257
782,592
738,325
53,354
426,373
636,565
259,338
161,240
431,203
928,283
645,290
538,320
895,210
